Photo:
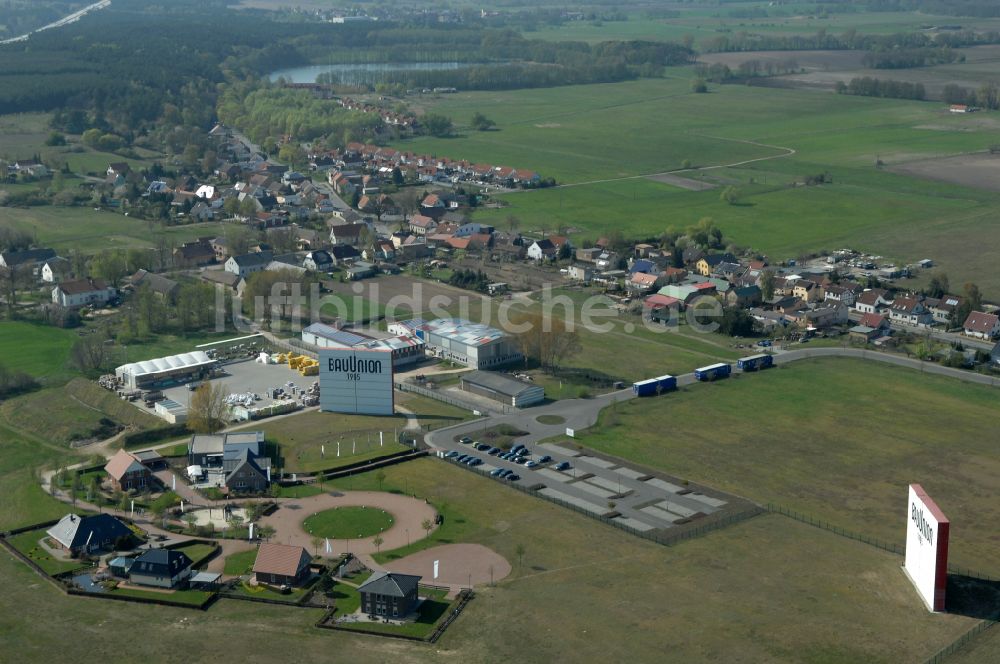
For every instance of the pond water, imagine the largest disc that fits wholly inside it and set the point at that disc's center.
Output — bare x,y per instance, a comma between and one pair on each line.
361,74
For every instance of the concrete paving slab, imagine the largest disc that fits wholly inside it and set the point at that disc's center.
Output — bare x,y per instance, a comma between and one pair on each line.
634,523
558,449
554,475
590,488
664,515
629,473
664,485
708,500
609,484
596,461
676,508
573,500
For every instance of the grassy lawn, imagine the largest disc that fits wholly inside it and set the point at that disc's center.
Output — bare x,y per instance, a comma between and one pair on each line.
21,456
353,522
572,133
27,543
87,230
300,439
193,597
347,598
81,405
835,439
266,592
300,491
840,601
39,350
240,563
197,552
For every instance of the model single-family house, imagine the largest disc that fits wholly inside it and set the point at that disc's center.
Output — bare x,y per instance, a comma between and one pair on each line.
389,594
127,472
89,534
162,568
281,564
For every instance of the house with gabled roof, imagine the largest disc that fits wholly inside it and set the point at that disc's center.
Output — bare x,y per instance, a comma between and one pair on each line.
247,264
909,310
944,307
127,472
83,292
982,325
389,594
194,254
281,564
542,250
872,300
157,283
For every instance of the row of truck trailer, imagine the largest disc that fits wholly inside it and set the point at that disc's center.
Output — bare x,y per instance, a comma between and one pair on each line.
661,384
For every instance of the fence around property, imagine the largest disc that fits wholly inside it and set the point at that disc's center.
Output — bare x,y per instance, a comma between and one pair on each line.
496,409
960,642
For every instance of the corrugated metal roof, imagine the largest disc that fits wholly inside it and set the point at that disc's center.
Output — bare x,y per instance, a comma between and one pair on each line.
464,331
333,334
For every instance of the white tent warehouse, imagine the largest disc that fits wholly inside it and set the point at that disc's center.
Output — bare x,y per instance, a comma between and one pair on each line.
502,388
165,371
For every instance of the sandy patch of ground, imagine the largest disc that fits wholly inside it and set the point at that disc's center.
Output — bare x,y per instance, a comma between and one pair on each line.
682,182
457,565
974,170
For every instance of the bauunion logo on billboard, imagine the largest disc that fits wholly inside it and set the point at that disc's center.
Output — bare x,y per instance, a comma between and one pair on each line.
356,381
927,530
354,367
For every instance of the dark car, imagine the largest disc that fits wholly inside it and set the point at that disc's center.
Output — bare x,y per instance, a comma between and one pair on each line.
482,447
461,458
496,472
513,477
451,455
465,440
493,451
520,460
563,465
545,459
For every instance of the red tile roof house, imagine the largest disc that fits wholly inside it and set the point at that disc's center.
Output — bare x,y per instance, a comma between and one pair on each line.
874,321
910,310
982,325
642,283
281,564
127,472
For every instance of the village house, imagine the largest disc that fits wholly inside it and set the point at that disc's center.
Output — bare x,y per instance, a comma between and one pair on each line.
341,234
909,310
873,300
233,282
588,255
421,224
743,297
706,264
83,292
55,270
542,250
943,309
27,258
580,273
247,264
982,325
194,254
158,284
807,290
642,283
318,261
842,293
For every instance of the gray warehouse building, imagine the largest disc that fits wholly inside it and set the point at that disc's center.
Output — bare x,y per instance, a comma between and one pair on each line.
473,344
502,388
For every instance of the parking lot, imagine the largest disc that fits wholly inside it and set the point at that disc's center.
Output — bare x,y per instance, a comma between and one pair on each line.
247,377
603,487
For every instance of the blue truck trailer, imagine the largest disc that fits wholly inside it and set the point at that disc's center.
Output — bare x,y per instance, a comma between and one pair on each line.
713,371
654,386
755,362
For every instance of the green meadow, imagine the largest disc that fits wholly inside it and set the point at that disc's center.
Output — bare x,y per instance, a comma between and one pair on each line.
762,141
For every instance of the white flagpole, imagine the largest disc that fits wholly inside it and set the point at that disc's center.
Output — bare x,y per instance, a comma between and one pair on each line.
173,483
381,442
338,449
133,511
251,531
328,548
354,446
182,506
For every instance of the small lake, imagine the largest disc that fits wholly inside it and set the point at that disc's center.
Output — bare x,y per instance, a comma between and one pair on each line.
362,74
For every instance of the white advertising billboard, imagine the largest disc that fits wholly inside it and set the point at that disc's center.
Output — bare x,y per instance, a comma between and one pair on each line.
927,531
356,381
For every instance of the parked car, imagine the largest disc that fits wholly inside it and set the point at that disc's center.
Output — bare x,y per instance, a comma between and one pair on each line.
764,343
531,464
516,447
545,459
465,440
451,455
482,447
520,460
496,472
563,465
494,451
513,477
461,458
